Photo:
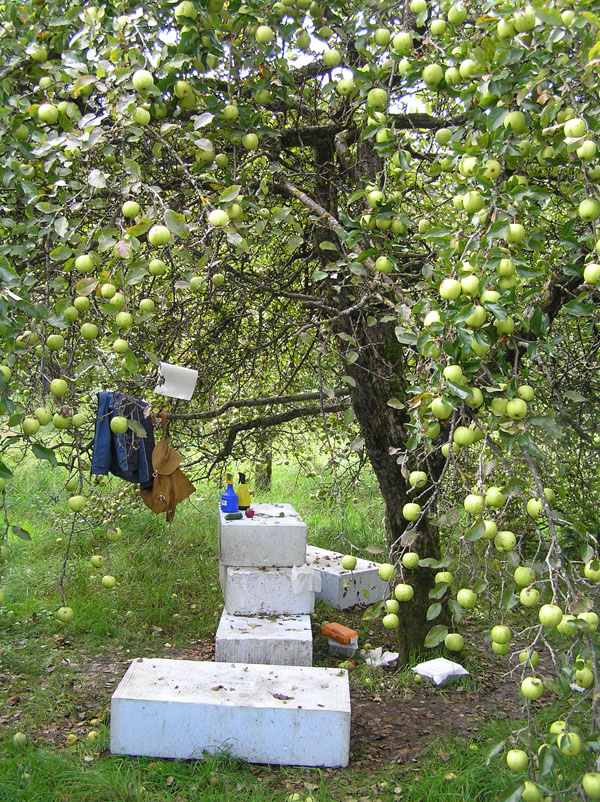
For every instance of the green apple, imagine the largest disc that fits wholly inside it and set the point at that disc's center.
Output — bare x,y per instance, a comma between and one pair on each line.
221,160
452,76
470,284
532,688
410,559
402,42
443,577
515,233
529,656
345,87
516,409
42,414
183,10
81,303
19,739
529,597
584,677
348,562
505,327
500,633
96,560
457,14
454,642
438,26
383,264
119,424
467,598
440,409
377,99
517,760
390,621
55,342
550,615
60,421
432,75
78,420
417,479
473,503
218,279
131,209
159,235
450,289
475,400
382,37
156,267
463,436
490,530
567,625
591,570
591,620
453,373
120,346
587,150
403,592
386,571
231,112
569,743
76,503
30,426
146,305
534,508
109,581
332,58
71,314
575,128
495,497
107,291
89,331
250,141
84,263
47,113
432,430
140,116
591,784
531,792
263,35
392,606
411,511
523,576
124,320
505,541
591,273
443,136
113,535
589,210
431,318
500,648
142,80
524,20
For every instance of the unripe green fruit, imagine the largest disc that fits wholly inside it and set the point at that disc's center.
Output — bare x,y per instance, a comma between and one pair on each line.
454,642
130,209
159,235
411,511
403,592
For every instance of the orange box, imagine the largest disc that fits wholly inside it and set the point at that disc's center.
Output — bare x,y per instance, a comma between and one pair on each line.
338,633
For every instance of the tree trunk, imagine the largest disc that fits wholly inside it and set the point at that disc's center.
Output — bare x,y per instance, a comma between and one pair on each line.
263,468
378,373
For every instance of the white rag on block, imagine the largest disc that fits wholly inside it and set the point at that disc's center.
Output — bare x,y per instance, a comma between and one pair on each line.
440,671
305,579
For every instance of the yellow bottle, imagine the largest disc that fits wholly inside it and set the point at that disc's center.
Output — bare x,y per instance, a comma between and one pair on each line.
243,494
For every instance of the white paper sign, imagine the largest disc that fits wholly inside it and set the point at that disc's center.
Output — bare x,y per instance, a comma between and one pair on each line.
175,381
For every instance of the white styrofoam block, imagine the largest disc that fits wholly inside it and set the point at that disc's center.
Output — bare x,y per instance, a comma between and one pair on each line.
276,536
341,588
285,640
286,715
264,591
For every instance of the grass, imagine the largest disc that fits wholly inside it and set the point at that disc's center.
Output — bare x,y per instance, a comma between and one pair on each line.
167,597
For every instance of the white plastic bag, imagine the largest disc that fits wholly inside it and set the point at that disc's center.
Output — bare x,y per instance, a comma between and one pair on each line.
377,657
305,579
440,671
175,381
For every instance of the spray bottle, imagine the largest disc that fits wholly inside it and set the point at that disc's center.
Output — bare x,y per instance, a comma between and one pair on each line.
229,499
243,494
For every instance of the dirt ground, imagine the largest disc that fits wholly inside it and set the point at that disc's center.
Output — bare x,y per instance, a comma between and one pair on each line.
384,724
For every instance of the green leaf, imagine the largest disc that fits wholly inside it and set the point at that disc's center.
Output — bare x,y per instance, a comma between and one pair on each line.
137,428
351,357
230,193
97,179
61,254
5,471
86,286
435,636
476,531
512,793
374,611
20,532
433,611
395,403
579,309
493,750
326,245
176,224
41,452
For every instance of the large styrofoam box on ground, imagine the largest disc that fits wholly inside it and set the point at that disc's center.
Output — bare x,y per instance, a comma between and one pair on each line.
341,588
286,715
275,536
283,640
263,591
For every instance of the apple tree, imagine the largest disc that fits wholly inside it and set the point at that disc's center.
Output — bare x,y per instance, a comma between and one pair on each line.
394,204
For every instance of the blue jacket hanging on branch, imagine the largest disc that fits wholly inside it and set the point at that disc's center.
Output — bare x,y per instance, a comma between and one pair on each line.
128,455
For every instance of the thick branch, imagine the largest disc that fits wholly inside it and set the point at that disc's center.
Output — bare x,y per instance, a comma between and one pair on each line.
411,122
242,403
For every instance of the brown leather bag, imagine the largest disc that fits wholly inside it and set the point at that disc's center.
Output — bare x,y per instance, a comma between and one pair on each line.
171,485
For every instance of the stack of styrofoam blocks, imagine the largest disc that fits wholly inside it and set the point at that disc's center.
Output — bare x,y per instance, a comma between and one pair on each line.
264,620
286,713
